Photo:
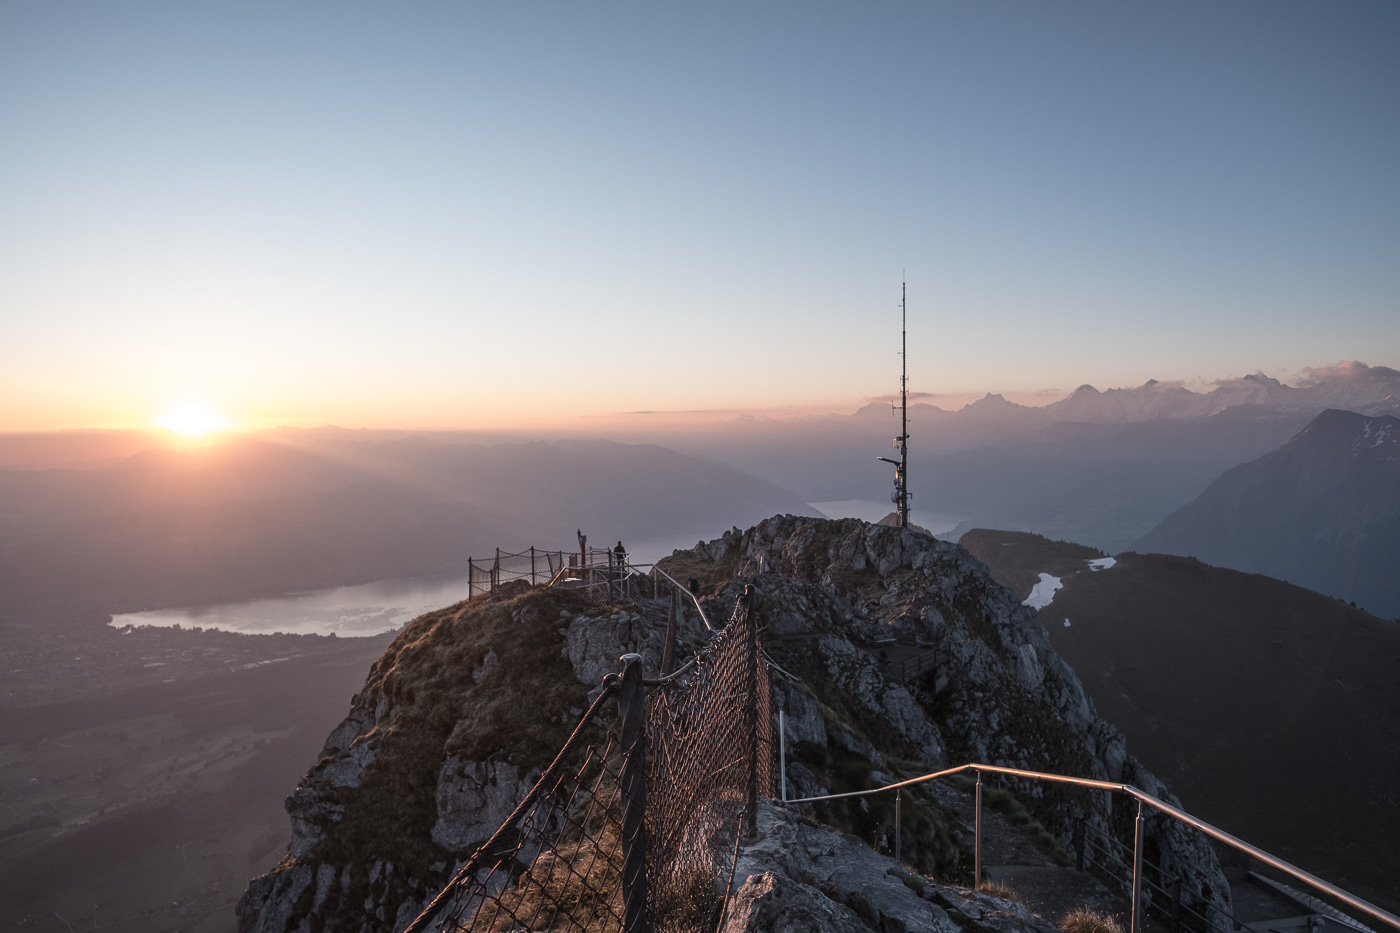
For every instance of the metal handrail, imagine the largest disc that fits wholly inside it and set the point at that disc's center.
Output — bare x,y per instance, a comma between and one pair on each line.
684,589
1143,798
1107,858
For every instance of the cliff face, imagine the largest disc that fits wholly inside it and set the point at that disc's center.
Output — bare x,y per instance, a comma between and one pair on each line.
466,706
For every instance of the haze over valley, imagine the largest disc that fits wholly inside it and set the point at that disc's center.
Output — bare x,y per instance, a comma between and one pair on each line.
303,307
94,525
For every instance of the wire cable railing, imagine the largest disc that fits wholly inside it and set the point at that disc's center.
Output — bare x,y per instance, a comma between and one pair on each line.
1144,799
1099,852
685,590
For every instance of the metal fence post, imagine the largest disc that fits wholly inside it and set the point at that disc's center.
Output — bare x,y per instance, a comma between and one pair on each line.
1138,839
533,580
1079,843
750,595
977,837
631,706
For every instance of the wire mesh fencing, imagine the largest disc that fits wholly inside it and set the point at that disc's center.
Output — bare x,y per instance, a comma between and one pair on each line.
556,861
638,832
711,756
507,573
603,573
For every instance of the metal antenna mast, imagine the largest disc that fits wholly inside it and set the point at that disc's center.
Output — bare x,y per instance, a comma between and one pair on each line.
900,495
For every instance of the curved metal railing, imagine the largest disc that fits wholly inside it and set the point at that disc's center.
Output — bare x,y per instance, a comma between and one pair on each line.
1144,799
681,588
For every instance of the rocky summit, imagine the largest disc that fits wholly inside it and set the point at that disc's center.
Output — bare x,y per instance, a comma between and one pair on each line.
893,654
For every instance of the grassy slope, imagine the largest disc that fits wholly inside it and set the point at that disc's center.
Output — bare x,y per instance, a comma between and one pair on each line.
443,701
1017,558
1271,710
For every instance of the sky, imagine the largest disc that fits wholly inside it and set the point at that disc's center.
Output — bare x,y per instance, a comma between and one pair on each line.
513,214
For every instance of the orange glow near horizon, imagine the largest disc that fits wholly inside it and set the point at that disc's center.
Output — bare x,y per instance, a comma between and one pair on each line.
194,421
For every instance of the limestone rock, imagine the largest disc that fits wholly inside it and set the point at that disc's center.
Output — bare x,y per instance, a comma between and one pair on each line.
488,664
800,878
1002,694
594,643
268,904
473,800
776,903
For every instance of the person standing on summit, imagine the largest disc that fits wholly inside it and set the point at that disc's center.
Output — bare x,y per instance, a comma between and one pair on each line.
617,561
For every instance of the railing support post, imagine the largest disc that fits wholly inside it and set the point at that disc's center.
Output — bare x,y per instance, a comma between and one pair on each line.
1140,828
1079,843
896,824
977,836
631,706
782,756
668,650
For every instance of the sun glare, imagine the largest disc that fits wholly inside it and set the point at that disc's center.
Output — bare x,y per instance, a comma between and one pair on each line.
193,421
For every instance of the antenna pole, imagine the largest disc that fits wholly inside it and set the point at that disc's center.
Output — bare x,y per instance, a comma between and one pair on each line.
902,479
900,496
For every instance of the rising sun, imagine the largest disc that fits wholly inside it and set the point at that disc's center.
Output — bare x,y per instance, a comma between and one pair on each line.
192,421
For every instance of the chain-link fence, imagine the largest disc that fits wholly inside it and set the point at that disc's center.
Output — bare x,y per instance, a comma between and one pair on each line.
637,833
507,573
711,750
602,573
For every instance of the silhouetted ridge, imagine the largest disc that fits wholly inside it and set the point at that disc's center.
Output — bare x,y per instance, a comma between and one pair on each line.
1323,511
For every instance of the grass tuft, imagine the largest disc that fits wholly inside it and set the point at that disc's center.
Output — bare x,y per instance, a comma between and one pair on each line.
1084,920
1002,890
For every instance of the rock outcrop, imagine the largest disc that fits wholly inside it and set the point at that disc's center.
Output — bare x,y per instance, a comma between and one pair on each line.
989,689
795,877
468,702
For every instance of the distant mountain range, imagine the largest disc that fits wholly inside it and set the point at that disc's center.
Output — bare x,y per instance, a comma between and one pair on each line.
1322,511
1103,468
1268,708
1100,467
1354,386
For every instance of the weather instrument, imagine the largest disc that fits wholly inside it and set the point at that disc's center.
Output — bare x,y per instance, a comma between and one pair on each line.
900,495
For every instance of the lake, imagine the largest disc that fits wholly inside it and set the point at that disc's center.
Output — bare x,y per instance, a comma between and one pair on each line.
388,605
345,611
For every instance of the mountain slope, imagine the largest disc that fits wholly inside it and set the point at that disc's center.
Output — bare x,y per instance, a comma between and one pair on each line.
469,700
1271,709
1322,511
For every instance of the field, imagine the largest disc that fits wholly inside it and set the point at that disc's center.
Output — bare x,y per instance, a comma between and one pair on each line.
150,808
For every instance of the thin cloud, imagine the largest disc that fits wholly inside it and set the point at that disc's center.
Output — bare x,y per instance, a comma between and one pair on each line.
1347,371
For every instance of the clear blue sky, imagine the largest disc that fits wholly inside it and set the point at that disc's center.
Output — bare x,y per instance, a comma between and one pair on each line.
464,214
